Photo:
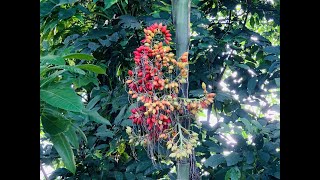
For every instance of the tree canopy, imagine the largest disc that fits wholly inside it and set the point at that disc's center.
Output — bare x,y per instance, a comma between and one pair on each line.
86,50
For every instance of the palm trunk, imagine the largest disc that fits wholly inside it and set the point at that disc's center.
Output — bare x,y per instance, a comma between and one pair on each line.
181,20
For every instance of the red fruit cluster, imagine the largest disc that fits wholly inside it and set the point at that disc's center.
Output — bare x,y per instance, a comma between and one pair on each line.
136,114
156,29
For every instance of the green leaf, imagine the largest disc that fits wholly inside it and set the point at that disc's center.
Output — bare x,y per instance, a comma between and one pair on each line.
277,80
72,137
248,125
129,176
52,59
233,158
249,156
265,157
93,46
118,175
80,56
120,116
93,102
61,2
106,133
55,123
272,50
95,116
127,122
143,166
233,174
81,133
66,13
214,160
93,68
127,21
62,146
69,68
50,78
109,3
64,98
81,81
252,84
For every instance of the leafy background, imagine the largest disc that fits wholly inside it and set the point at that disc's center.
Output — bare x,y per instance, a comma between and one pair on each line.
85,51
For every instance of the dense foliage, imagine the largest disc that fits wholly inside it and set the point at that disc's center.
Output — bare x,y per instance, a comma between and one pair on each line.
86,50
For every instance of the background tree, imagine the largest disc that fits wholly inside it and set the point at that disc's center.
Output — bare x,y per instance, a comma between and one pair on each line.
86,50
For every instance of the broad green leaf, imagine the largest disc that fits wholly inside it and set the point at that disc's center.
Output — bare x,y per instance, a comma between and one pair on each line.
55,123
69,68
95,116
252,84
52,59
129,176
265,157
81,81
50,78
249,156
64,98
277,80
109,3
127,21
214,160
107,133
233,158
72,137
131,167
248,125
81,133
143,166
93,68
93,102
80,56
66,13
120,116
118,175
62,146
61,2
127,122
93,46
233,174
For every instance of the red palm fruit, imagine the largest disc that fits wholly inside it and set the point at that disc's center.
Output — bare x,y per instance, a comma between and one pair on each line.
160,44
168,35
130,73
140,88
134,110
155,83
156,78
134,96
147,41
140,74
168,38
164,29
166,41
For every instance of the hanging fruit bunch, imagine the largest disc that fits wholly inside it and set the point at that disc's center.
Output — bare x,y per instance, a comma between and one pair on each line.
154,85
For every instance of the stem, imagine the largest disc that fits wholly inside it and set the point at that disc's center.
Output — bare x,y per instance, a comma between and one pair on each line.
181,20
